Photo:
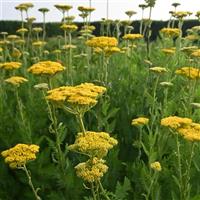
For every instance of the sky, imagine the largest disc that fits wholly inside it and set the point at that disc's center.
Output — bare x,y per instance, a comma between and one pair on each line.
117,9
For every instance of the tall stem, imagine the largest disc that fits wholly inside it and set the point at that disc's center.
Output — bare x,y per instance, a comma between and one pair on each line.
179,167
80,120
37,197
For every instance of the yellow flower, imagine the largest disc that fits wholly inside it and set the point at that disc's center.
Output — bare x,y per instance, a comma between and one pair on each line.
192,37
22,30
168,51
158,69
16,53
93,144
37,29
85,95
111,50
69,27
38,43
196,53
189,72
12,37
156,166
133,36
92,170
20,154
63,7
170,32
86,9
175,122
190,132
102,42
46,68
16,80
181,14
140,121
10,65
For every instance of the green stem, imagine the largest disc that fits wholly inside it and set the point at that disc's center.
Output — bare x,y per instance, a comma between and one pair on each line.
151,185
179,167
80,120
103,191
93,192
37,197
21,112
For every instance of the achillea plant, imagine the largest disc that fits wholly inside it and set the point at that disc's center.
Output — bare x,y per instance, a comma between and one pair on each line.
18,156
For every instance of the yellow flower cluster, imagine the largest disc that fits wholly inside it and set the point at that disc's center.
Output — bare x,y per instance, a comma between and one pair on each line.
181,14
10,65
156,166
175,122
108,51
63,7
170,32
93,144
85,94
91,170
20,154
140,121
22,30
46,68
158,69
190,132
196,53
133,36
69,27
16,80
85,9
38,43
189,72
168,51
102,42
184,126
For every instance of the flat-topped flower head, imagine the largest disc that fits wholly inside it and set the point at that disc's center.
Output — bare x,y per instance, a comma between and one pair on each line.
169,51
190,132
22,30
10,65
37,29
38,44
46,68
13,37
16,80
93,144
86,9
91,170
189,72
140,121
170,32
196,53
20,154
69,27
102,42
175,122
132,36
80,97
43,10
130,13
63,7
181,14
158,70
